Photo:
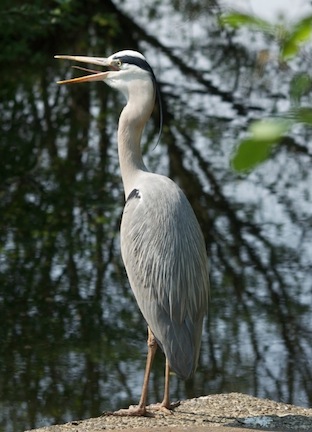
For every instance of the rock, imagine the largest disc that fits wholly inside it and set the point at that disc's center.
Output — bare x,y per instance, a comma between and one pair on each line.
223,412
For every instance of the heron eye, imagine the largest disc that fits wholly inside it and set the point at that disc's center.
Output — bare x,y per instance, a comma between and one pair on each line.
118,63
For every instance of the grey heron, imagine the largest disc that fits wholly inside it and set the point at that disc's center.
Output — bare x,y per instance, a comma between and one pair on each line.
162,245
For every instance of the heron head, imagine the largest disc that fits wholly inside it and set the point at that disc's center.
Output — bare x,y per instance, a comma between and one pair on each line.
123,67
126,70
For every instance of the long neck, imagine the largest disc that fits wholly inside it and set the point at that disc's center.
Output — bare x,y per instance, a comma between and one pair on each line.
131,124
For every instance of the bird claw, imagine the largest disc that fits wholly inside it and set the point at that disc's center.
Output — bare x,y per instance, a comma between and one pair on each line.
132,411
163,408
137,411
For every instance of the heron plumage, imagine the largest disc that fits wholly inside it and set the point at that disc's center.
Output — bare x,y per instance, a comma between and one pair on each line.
164,253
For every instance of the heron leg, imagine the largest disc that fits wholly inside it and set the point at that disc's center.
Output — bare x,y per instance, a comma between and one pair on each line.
140,410
166,401
152,348
165,406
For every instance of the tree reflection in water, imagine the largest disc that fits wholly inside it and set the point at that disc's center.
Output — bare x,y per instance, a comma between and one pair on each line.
72,338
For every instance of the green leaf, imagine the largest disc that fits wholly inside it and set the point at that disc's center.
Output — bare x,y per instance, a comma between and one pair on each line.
250,153
264,135
304,115
301,33
269,129
237,20
300,84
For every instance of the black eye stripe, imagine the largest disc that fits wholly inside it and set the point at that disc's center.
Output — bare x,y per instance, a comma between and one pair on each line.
136,61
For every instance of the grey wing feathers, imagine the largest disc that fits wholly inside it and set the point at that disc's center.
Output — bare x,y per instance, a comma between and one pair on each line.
166,262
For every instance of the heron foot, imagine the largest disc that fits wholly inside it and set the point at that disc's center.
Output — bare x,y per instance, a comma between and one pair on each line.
163,407
132,411
138,411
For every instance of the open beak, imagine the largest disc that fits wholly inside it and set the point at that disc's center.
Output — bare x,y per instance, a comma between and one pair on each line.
94,75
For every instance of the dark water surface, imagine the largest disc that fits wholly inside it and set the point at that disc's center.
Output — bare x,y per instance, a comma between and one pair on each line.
72,338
